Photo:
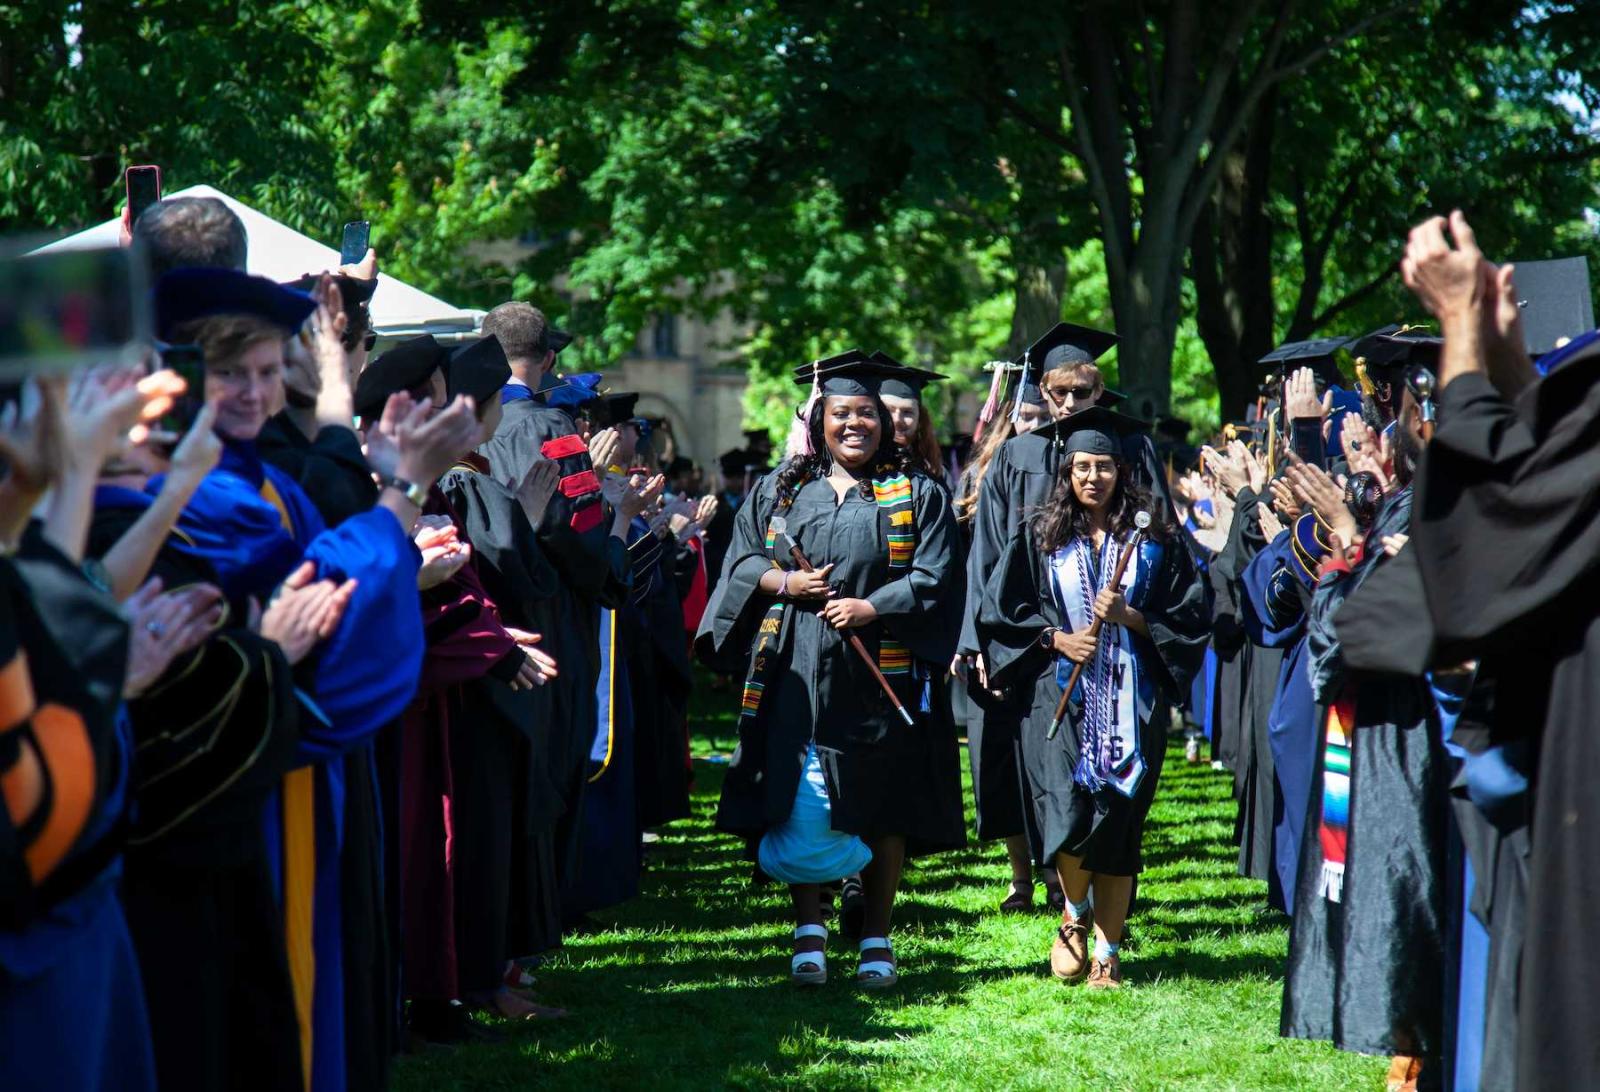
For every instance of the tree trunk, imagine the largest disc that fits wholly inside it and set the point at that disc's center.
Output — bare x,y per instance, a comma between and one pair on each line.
1039,285
1147,308
1231,257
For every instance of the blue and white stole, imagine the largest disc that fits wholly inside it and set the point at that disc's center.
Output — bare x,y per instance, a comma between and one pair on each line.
1113,697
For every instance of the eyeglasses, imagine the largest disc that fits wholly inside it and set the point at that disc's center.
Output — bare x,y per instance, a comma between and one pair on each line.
1083,471
370,340
1079,394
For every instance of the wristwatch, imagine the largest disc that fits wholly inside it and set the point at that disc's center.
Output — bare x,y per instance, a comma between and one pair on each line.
1047,637
411,491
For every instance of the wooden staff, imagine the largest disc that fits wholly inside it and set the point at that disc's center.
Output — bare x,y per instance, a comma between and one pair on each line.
780,528
1141,520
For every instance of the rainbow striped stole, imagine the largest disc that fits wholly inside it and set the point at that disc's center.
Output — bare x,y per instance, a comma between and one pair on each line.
894,502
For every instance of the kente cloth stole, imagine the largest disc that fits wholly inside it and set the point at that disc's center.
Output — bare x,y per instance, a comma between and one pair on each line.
299,865
894,499
1107,722
1333,833
900,529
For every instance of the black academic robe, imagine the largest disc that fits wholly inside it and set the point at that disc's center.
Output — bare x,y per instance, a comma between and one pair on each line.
659,679
1105,828
506,753
333,472
213,738
1508,537
1253,774
591,570
331,469
1367,972
1019,479
883,777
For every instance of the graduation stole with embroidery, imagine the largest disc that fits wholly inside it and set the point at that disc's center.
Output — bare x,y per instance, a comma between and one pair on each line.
1333,832
893,496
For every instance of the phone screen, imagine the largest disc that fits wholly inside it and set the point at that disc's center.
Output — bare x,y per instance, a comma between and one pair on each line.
189,362
65,309
354,247
144,190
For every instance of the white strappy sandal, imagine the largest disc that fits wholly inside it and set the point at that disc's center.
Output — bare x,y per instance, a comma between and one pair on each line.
816,960
877,974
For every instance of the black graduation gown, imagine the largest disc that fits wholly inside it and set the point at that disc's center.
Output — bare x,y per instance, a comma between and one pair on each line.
1508,537
657,655
883,778
1232,648
1254,784
591,572
331,469
213,738
1103,828
504,751
1020,478
1367,972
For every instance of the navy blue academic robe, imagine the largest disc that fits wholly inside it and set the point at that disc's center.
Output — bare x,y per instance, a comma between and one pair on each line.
360,679
1275,618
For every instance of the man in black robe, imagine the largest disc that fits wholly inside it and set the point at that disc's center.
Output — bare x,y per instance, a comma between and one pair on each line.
1508,541
585,546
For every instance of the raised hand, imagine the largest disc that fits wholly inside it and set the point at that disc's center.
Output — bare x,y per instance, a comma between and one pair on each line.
1450,281
537,487
1300,399
603,447
1271,525
1255,466
427,447
198,453
1324,497
443,552
1231,476
635,501
1284,501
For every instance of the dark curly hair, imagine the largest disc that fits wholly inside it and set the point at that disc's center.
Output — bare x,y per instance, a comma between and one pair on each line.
1062,518
890,458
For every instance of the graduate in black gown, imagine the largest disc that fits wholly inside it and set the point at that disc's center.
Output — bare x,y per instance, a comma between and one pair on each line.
828,776
1095,779
1057,377
913,427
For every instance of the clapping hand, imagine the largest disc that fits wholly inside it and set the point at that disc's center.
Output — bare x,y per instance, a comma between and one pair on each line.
603,447
637,499
1366,450
537,487
1323,496
1284,501
443,552
163,627
1271,525
305,611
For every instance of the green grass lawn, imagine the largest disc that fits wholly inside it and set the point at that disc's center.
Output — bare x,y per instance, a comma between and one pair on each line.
686,986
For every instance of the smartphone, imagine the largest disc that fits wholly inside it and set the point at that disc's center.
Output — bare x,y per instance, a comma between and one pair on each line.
144,189
190,363
65,309
354,247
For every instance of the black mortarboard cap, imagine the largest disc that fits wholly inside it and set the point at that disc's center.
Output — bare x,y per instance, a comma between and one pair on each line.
908,385
1175,429
1387,352
478,370
353,291
1095,430
734,463
848,373
1029,394
1064,345
556,339
619,406
405,367
1557,301
1316,354
194,293
1110,399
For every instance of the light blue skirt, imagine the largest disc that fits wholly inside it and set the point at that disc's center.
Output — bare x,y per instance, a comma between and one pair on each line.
805,848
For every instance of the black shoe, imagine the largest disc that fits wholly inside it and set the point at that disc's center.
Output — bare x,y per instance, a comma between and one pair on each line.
1055,897
447,1022
852,908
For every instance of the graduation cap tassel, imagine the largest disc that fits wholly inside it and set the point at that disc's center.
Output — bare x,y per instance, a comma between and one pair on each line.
799,442
986,414
1022,381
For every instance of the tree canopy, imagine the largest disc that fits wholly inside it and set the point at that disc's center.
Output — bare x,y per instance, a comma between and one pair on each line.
939,179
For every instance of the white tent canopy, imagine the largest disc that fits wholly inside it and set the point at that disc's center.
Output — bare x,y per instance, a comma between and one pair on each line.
283,254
